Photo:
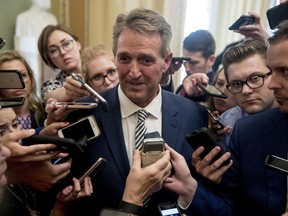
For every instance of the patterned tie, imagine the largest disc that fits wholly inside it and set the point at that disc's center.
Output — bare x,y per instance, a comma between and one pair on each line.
140,128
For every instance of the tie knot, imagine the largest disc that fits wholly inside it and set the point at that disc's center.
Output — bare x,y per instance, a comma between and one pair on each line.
142,114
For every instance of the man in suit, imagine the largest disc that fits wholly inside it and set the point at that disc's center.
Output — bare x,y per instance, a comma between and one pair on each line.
141,45
250,187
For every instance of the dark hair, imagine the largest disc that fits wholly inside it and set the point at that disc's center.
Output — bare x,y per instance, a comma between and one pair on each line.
144,21
200,40
43,41
280,34
242,51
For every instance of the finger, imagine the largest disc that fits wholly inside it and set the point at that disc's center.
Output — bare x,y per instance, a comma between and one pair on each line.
196,155
208,158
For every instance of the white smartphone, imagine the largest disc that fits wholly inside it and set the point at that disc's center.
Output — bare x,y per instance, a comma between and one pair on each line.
169,209
85,126
76,105
277,163
93,170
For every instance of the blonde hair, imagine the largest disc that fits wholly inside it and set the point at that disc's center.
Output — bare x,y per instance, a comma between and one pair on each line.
90,53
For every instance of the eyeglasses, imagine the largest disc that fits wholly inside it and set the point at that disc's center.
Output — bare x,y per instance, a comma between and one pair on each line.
67,45
252,82
99,79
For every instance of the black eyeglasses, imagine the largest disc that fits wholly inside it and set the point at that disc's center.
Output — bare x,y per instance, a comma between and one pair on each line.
253,82
67,45
99,79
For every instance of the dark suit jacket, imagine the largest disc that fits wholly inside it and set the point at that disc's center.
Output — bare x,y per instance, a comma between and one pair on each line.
249,187
179,116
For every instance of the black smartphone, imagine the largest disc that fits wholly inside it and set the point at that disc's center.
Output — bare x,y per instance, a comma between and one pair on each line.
203,137
63,144
93,170
11,102
181,59
216,119
11,79
277,163
169,209
211,90
277,14
242,20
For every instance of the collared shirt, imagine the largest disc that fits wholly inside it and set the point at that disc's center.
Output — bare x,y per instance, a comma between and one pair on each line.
129,119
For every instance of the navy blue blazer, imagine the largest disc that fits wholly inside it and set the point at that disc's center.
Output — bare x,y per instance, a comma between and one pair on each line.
179,116
249,187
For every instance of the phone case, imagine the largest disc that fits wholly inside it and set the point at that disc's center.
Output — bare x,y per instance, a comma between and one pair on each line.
11,79
11,102
242,20
203,137
211,90
170,208
76,105
93,170
155,149
277,14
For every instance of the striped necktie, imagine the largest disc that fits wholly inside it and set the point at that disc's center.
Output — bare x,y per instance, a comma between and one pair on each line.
140,128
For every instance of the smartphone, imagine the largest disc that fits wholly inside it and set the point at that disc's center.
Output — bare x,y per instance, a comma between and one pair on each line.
277,163
63,144
211,90
113,212
11,79
181,59
2,42
153,142
86,126
242,20
76,105
216,119
277,14
169,209
11,102
93,170
203,137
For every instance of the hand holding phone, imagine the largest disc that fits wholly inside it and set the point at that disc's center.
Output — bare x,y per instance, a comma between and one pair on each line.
242,20
216,119
203,137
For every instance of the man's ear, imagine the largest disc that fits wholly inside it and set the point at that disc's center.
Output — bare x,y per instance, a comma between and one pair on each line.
167,61
211,60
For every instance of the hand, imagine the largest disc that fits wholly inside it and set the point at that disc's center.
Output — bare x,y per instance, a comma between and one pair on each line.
41,175
142,182
255,30
214,171
74,89
52,129
21,153
181,182
189,84
70,194
55,114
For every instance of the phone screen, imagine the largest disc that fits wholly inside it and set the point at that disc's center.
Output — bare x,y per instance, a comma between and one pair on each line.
277,14
277,163
11,79
77,130
11,102
169,209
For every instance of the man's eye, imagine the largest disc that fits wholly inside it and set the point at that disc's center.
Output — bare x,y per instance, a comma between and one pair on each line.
2,133
254,78
112,71
146,61
285,72
123,59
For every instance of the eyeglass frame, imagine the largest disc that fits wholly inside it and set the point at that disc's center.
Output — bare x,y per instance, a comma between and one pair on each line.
104,76
246,82
58,51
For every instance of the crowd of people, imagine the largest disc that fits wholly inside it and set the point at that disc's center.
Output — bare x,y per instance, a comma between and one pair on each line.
135,76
